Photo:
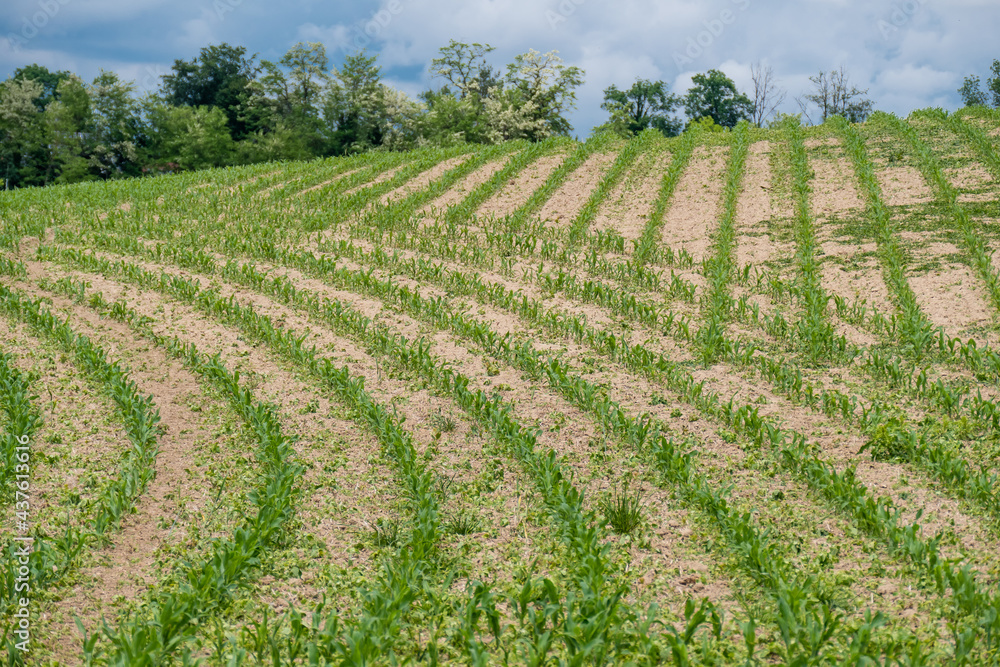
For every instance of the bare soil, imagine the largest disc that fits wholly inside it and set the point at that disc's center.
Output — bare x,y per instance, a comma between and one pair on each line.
694,213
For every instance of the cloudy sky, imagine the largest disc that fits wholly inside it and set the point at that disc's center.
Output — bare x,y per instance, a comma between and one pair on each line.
909,53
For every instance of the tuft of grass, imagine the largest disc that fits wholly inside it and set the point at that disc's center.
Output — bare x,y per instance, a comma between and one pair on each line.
463,523
385,532
442,423
888,443
623,510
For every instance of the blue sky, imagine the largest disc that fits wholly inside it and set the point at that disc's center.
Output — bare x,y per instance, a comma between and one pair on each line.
909,53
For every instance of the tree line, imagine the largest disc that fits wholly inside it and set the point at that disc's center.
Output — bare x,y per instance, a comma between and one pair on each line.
225,107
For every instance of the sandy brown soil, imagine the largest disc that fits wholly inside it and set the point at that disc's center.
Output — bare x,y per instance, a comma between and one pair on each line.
266,192
833,188
424,179
516,192
628,206
863,282
694,214
952,296
567,201
756,205
973,177
331,181
465,186
381,178
903,186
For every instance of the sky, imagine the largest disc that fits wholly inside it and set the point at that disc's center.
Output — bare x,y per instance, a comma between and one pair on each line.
909,54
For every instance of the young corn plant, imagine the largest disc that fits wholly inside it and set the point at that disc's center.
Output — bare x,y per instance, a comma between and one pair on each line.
647,248
573,387
975,246
719,268
916,331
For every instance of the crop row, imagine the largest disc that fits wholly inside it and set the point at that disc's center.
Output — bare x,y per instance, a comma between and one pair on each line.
842,489
719,267
53,557
943,461
798,617
205,589
597,608
930,167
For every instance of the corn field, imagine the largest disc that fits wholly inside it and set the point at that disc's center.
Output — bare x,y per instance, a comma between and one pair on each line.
720,399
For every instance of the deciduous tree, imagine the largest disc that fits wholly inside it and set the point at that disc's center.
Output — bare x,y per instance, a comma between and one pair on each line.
972,93
767,97
646,104
835,95
714,95
218,77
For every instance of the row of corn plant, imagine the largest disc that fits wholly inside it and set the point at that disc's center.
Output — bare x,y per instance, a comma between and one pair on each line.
786,377
20,423
814,328
332,208
720,266
974,244
312,186
382,215
973,136
946,464
465,209
590,616
17,404
140,419
170,620
406,576
748,541
987,114
915,330
609,181
175,617
648,245
842,489
555,180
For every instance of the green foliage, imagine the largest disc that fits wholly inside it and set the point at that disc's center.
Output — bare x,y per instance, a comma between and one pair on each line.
646,104
189,137
217,78
21,130
622,510
714,95
974,96
50,82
